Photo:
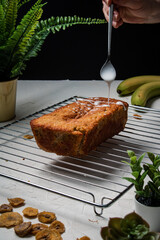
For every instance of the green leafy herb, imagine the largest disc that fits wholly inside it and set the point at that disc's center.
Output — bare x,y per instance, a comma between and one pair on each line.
146,177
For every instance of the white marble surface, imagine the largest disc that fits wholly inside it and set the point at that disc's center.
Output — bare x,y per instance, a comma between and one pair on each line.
78,217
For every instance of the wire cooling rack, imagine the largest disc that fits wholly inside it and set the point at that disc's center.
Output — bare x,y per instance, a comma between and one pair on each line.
95,179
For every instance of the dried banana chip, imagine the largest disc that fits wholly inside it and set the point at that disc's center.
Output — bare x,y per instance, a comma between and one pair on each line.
10,219
16,202
46,217
23,229
38,227
5,208
83,238
57,225
30,212
48,234
27,136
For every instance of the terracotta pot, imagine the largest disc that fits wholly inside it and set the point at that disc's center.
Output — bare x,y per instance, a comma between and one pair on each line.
7,100
150,214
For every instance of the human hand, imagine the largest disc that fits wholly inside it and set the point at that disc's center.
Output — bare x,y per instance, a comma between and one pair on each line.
132,11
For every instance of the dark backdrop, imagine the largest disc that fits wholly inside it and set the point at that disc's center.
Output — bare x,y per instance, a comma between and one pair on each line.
80,51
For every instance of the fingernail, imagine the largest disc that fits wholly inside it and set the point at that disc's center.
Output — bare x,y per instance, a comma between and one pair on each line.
115,15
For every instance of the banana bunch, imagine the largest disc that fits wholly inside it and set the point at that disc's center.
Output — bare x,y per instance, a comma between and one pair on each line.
143,88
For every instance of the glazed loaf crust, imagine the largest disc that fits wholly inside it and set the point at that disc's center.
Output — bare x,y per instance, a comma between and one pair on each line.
79,127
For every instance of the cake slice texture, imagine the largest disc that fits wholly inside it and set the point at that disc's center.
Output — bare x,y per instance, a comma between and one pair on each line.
79,127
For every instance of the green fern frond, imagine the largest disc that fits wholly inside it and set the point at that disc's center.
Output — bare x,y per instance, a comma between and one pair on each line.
11,16
21,3
42,31
35,44
24,30
65,22
34,47
4,4
19,56
4,58
25,25
58,23
22,47
18,69
2,23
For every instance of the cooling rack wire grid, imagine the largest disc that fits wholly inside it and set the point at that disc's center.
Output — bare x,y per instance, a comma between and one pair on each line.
95,179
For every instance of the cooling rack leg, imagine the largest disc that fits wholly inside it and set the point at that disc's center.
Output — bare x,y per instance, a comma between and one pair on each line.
98,213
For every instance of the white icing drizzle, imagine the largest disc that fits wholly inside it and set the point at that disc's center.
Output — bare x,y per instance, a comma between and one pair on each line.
121,103
98,103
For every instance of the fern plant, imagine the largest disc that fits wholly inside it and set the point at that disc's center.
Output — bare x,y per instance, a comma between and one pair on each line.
22,40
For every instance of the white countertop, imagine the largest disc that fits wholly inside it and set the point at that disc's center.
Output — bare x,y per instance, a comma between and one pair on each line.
36,95
79,218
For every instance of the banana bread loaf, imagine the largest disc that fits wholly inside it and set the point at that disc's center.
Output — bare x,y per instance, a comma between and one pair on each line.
79,127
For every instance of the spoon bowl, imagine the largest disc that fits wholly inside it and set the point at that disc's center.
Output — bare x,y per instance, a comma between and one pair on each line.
108,72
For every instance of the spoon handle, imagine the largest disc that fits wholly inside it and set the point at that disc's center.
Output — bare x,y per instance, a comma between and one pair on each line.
110,29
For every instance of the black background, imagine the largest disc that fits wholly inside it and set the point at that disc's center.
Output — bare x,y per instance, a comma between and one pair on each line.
79,52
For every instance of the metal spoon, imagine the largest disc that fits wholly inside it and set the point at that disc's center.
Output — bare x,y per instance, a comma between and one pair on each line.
108,72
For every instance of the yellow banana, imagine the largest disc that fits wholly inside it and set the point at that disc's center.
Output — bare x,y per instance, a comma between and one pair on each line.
144,93
129,85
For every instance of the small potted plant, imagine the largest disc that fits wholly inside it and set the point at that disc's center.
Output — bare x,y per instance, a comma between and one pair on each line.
146,180
20,40
131,227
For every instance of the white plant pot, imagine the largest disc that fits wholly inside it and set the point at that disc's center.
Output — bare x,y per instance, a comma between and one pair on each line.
150,214
7,100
